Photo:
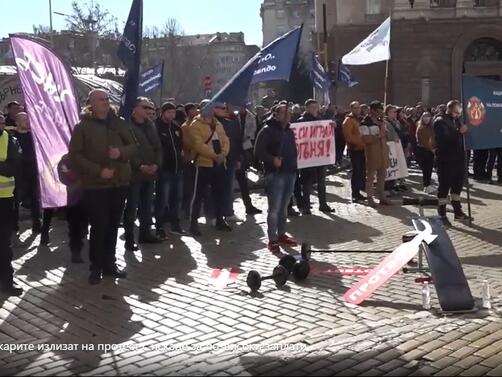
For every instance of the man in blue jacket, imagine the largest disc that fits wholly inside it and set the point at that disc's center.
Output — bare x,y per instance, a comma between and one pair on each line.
276,149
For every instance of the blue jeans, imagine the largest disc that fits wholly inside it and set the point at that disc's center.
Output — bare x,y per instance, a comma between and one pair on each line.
279,188
167,198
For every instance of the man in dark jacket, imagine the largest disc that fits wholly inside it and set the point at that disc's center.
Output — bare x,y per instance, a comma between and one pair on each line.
145,166
450,157
10,161
169,181
28,187
276,148
234,158
101,147
309,175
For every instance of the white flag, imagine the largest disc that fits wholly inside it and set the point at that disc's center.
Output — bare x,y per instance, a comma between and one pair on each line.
375,48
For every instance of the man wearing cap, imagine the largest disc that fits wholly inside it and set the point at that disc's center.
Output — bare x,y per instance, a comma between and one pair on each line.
169,182
10,160
374,135
210,146
145,167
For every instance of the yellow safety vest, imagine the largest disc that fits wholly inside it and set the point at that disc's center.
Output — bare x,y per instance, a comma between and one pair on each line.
7,184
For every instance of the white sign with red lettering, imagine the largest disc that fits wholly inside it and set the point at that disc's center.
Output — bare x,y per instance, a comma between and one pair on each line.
315,143
388,267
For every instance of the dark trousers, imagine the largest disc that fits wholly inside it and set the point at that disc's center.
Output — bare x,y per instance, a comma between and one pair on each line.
425,159
167,198
7,227
480,162
28,190
242,180
104,208
78,223
358,179
139,204
205,177
228,190
451,177
340,147
495,154
307,177
188,184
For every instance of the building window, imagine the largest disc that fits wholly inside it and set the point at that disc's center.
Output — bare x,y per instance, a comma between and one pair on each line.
443,3
373,6
426,90
486,3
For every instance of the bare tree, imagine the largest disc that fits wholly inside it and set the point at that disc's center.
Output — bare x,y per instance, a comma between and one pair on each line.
91,18
41,29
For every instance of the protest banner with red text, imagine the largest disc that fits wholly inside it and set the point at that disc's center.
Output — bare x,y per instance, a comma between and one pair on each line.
315,143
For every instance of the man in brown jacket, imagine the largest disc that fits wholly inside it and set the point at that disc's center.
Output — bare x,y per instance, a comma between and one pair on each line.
210,145
374,135
100,149
356,148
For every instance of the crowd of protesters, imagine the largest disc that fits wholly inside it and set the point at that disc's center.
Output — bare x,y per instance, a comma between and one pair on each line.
173,162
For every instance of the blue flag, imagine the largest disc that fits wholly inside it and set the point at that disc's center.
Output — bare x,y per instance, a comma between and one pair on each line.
130,54
273,62
151,79
320,78
483,112
344,76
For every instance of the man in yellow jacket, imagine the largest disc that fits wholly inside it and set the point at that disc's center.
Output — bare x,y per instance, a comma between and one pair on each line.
210,147
10,160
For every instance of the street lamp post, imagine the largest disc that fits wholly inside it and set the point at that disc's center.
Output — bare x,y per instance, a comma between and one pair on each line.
50,16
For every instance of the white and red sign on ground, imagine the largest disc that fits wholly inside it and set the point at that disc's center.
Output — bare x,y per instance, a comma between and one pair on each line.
315,143
388,267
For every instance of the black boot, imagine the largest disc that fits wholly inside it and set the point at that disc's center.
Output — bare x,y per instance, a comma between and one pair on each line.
195,230
459,214
442,214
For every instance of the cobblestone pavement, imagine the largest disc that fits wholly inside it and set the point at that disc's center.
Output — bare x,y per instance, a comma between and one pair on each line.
169,318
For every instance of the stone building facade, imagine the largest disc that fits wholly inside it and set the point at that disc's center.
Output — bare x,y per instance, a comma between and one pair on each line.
433,43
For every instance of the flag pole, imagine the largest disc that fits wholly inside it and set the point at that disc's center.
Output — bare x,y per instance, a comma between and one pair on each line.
387,63
325,36
386,84
466,167
161,95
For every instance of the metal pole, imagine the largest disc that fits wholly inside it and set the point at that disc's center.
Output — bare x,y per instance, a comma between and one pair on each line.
325,36
50,16
466,172
386,82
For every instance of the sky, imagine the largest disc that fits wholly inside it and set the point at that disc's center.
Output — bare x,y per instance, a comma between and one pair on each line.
194,16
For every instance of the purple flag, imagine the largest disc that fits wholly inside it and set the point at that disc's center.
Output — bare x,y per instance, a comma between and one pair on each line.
51,104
